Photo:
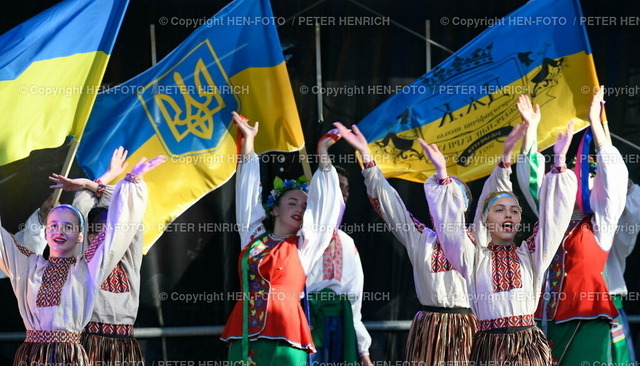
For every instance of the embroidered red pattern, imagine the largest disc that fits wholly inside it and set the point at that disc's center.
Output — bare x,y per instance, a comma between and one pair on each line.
117,282
332,259
439,262
259,287
509,321
470,235
53,279
416,223
109,329
95,244
50,336
376,205
531,241
23,250
505,267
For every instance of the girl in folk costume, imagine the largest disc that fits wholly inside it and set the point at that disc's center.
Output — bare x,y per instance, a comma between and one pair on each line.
503,280
108,337
576,311
335,285
443,331
269,327
56,296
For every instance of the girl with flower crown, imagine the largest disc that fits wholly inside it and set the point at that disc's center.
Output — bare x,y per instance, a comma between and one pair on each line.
56,295
503,279
268,326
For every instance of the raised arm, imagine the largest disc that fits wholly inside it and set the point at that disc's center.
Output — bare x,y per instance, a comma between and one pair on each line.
447,207
530,164
90,194
249,210
608,194
557,199
600,137
324,205
384,198
124,221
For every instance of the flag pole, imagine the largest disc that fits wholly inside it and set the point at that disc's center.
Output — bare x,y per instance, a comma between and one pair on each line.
154,61
66,167
303,151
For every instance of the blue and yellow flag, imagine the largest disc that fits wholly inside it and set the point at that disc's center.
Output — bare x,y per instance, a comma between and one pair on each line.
182,107
467,104
51,67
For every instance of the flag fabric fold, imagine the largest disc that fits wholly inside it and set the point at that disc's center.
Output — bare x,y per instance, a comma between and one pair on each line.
467,104
51,67
181,108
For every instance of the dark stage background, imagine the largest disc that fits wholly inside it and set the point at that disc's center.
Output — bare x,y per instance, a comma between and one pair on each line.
202,261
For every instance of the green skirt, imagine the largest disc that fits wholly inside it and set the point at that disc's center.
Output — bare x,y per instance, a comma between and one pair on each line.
580,342
267,352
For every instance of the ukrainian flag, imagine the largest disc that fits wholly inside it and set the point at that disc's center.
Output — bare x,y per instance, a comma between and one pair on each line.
467,104
51,67
182,107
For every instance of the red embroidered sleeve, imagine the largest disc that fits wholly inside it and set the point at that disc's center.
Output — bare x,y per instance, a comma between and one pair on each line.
95,244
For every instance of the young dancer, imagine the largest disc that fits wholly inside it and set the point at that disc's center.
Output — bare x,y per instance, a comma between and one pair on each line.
56,296
108,337
503,279
268,326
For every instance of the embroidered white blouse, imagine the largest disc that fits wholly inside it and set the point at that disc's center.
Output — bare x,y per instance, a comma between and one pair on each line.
347,278
503,282
118,298
320,218
437,282
59,294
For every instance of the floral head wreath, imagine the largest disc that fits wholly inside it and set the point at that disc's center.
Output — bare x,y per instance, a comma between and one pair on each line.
281,186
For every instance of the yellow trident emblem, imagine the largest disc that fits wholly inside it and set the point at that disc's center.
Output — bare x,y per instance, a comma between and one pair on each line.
197,118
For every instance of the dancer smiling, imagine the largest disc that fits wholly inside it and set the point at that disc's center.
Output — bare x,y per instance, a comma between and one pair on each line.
56,296
269,326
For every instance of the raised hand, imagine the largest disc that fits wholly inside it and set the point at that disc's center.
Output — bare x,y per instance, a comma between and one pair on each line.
144,166
329,139
243,124
249,132
117,166
324,143
596,105
530,114
598,127
562,145
531,117
354,137
436,158
68,184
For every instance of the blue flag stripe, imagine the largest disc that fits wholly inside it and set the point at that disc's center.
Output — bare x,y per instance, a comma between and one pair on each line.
48,34
560,19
